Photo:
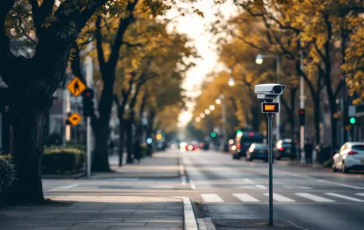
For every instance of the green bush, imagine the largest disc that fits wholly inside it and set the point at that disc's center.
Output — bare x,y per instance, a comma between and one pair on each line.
71,144
143,150
60,160
7,172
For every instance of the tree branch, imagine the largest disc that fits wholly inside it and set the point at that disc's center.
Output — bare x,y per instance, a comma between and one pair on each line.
100,50
123,25
26,35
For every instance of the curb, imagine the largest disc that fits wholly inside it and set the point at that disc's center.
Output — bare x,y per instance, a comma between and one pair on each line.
71,176
188,214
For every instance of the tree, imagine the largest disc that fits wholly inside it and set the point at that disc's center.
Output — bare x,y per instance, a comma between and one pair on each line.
33,80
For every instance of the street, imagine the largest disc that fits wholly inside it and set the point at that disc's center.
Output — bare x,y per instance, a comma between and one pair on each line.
225,191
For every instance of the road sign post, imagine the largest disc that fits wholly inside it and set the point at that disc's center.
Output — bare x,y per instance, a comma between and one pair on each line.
88,119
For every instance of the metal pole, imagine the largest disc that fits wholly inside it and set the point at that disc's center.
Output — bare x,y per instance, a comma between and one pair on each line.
88,146
270,147
278,118
302,106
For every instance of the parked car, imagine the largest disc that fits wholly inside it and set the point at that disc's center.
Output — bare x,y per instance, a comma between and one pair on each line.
282,149
349,157
193,146
257,151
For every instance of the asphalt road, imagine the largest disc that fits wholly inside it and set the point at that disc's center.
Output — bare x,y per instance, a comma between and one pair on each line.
226,189
310,198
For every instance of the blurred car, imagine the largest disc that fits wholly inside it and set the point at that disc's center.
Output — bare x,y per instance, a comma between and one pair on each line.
349,157
243,141
257,151
192,146
282,149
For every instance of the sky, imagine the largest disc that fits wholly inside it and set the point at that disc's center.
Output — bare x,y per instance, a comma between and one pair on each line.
195,27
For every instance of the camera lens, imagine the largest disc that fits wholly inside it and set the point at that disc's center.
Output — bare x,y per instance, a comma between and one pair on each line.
277,89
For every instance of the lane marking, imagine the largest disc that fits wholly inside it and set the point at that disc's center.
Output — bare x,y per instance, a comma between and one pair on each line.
360,194
314,197
344,197
210,197
63,187
248,180
245,197
192,184
261,186
280,198
340,184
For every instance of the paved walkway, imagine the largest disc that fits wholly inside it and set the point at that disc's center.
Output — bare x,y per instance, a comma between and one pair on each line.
97,213
161,165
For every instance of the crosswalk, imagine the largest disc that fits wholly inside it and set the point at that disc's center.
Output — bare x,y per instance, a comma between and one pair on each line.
294,198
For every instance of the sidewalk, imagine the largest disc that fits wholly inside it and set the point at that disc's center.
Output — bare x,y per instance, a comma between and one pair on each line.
97,213
161,165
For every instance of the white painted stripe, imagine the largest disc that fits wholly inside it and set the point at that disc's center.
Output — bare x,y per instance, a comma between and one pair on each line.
261,186
248,180
209,197
344,197
245,197
314,197
63,187
280,198
192,184
341,184
360,194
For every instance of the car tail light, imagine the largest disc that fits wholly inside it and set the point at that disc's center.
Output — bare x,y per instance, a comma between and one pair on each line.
353,153
201,144
239,146
251,134
281,149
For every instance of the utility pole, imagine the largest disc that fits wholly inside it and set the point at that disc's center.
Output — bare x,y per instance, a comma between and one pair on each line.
278,117
223,121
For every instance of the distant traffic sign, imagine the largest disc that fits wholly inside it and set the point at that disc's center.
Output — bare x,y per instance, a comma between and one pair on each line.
74,119
76,87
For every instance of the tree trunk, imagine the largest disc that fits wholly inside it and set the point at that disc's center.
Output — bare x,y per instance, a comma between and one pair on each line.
316,114
129,141
27,130
100,162
121,140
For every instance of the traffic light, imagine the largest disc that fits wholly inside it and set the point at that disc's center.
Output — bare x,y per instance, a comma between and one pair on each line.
88,102
352,120
213,134
302,117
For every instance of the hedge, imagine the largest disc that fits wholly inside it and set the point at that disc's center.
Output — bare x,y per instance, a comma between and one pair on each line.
61,160
7,172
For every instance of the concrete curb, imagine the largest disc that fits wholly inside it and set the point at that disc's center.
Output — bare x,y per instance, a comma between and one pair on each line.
71,176
189,216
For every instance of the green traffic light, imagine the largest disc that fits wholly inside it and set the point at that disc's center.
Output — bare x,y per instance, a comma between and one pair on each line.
213,134
352,120
238,131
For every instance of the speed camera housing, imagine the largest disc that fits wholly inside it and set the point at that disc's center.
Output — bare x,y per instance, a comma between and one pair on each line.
269,91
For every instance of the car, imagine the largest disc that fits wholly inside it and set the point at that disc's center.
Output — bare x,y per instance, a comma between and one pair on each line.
282,149
192,146
243,141
257,151
349,157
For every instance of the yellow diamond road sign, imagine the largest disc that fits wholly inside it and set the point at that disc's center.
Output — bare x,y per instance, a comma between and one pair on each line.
76,87
74,119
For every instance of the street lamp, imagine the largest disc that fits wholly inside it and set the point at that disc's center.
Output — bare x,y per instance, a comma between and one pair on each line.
212,107
207,111
231,82
218,101
198,119
202,115
259,60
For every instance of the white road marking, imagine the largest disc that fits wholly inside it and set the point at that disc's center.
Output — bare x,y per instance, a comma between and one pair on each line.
360,194
182,173
341,184
245,197
248,180
280,198
192,184
261,186
314,197
209,197
344,197
63,187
